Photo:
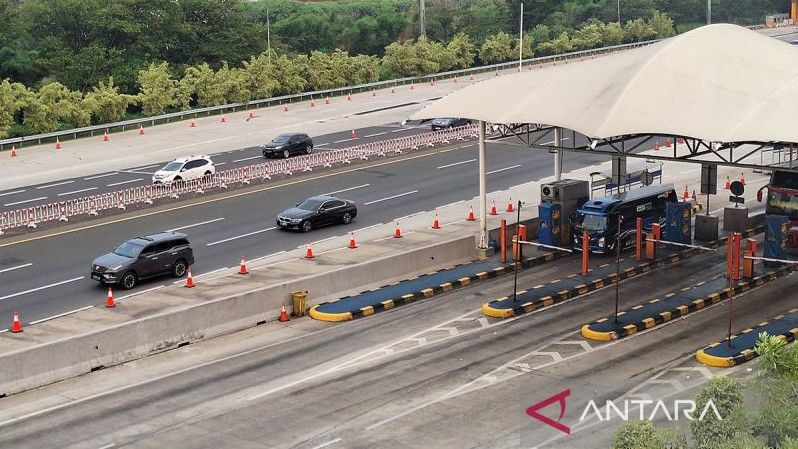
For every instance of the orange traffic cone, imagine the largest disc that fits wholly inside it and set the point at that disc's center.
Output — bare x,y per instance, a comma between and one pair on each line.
327,100
349,96
694,197
510,205
493,210
105,137
455,80
432,82
312,103
497,72
57,144
141,130
471,216
471,78
742,178
109,300
243,268
354,134
13,151
224,119
656,146
435,223
412,86
251,115
393,91
192,125
667,143
686,195
373,93
283,314
16,326
352,243
189,280
309,252
728,183
398,233
285,108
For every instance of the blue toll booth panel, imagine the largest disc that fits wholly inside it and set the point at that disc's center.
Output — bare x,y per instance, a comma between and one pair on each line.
678,223
550,215
776,235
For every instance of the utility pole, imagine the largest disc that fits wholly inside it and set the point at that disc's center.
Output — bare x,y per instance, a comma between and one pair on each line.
422,19
521,39
619,12
268,36
709,12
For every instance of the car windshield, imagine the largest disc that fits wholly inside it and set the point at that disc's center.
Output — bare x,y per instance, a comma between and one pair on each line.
128,249
594,222
311,204
282,138
172,166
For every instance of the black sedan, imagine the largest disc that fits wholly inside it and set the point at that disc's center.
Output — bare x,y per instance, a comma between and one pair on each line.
317,211
287,144
446,123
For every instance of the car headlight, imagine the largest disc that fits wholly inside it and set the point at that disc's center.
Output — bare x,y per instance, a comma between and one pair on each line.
114,268
601,241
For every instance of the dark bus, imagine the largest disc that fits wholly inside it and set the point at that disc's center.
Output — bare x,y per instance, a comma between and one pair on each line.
599,216
783,199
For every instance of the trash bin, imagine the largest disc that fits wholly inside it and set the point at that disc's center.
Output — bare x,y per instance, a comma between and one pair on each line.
298,300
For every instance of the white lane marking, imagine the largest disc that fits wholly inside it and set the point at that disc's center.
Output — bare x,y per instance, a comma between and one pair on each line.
26,201
450,204
196,276
15,268
136,172
248,158
196,224
399,130
55,185
376,134
108,446
345,140
148,166
100,176
12,193
266,257
322,144
242,236
77,191
337,440
391,197
409,216
125,182
13,295
348,189
61,315
140,292
219,164
503,169
368,227
456,163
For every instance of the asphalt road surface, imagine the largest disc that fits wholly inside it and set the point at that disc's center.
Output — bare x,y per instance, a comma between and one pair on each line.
434,374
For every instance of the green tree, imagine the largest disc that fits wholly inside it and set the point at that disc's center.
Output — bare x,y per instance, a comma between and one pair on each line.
612,34
497,48
540,33
417,58
528,46
53,105
262,76
726,394
662,25
638,30
158,91
462,50
234,84
778,386
562,44
290,74
105,102
642,434
13,98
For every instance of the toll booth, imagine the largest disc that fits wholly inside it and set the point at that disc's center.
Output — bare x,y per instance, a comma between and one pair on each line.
678,222
559,200
777,232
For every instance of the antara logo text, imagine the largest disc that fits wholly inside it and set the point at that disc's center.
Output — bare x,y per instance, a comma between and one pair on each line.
624,410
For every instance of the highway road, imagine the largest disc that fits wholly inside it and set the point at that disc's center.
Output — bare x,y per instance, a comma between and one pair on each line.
434,374
48,276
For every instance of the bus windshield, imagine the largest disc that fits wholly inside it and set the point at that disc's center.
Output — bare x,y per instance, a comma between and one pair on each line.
594,222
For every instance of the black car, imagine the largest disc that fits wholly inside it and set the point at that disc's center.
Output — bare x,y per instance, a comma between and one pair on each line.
446,123
144,257
287,144
317,211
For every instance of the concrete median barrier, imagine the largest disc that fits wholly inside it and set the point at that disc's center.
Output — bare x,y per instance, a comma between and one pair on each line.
174,316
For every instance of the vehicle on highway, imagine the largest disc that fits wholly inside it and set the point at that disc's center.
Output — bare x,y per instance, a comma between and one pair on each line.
599,217
144,257
287,144
317,211
782,199
794,42
185,169
447,123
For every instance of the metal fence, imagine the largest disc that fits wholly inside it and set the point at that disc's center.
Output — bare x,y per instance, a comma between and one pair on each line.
146,194
320,94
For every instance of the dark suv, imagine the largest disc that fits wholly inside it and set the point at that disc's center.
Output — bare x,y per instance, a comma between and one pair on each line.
287,144
448,123
144,257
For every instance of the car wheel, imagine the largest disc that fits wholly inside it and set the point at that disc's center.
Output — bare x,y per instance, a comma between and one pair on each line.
347,218
129,280
306,226
286,153
178,181
179,268
308,149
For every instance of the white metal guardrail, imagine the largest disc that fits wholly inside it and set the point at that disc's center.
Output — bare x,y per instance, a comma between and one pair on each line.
121,199
192,113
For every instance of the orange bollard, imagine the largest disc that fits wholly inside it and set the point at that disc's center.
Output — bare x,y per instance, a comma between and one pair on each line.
639,240
650,248
585,252
737,238
750,245
503,241
748,265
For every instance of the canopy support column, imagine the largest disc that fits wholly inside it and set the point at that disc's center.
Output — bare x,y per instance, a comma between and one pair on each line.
483,189
558,154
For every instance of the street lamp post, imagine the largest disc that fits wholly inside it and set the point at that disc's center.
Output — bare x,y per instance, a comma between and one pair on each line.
618,266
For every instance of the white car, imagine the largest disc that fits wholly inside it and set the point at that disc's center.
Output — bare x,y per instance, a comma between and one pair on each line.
184,169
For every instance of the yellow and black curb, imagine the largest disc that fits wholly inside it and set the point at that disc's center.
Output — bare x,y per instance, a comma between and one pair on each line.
318,311
740,354
695,304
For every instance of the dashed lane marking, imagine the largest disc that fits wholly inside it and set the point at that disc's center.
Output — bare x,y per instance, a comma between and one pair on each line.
14,295
55,184
241,236
26,201
125,182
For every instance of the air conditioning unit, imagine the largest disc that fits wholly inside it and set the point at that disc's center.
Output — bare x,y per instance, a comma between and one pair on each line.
549,192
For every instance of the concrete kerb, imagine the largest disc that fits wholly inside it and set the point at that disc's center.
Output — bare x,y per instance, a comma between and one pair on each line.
428,292
41,363
741,356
